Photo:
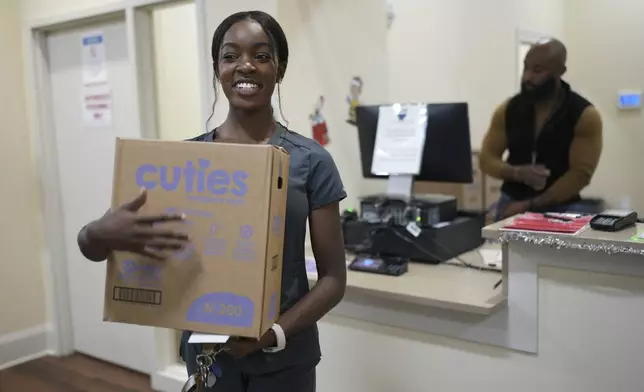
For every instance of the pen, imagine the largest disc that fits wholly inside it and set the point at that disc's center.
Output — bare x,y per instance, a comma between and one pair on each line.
557,217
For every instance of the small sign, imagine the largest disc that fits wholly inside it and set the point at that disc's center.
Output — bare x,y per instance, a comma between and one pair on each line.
400,139
97,105
413,229
93,54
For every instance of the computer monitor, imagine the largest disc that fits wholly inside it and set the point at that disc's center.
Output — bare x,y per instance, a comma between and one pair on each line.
447,156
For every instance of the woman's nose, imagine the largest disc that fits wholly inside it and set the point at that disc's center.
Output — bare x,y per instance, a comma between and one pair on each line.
246,66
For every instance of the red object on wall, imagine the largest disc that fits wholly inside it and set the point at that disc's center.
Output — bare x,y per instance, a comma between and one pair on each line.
320,133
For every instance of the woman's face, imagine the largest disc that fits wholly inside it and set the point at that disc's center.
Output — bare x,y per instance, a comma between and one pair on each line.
247,66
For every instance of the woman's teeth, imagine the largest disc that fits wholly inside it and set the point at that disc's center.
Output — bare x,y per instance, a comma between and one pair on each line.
247,87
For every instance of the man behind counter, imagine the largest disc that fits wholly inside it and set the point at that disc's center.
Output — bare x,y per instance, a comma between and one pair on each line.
552,134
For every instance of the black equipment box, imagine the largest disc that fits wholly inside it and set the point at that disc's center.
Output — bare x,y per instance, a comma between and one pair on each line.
434,245
426,210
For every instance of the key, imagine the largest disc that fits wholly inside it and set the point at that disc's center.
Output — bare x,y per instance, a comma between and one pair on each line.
191,385
211,380
204,362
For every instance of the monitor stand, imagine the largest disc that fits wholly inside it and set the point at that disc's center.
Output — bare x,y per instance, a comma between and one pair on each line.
400,185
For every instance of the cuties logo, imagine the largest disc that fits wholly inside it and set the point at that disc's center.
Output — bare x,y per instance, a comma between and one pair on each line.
200,182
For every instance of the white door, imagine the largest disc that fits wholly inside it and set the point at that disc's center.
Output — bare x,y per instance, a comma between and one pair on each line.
85,159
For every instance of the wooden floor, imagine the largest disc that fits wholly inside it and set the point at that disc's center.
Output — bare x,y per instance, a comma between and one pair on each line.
76,373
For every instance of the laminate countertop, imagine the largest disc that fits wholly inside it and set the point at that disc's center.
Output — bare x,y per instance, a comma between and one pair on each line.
449,285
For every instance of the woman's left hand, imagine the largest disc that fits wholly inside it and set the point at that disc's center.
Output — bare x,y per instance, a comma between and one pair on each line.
241,347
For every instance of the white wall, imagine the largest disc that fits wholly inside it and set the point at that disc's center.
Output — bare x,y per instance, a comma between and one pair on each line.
34,10
22,290
331,41
606,54
461,50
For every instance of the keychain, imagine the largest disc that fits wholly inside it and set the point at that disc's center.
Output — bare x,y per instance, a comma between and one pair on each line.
207,370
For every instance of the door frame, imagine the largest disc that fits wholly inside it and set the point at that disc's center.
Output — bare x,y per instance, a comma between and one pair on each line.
167,375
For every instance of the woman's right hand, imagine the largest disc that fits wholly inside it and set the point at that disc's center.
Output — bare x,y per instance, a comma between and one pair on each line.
123,229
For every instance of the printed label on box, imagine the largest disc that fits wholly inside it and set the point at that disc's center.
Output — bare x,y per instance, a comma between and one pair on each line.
227,309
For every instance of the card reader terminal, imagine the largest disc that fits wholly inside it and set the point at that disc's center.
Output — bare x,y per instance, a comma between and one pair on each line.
394,266
613,220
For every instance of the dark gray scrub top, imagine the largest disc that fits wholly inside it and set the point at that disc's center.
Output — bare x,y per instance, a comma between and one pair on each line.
314,181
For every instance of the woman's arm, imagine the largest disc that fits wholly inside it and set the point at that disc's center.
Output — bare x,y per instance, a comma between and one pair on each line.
324,192
328,249
90,248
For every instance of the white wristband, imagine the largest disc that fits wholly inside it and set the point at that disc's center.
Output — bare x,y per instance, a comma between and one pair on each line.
280,337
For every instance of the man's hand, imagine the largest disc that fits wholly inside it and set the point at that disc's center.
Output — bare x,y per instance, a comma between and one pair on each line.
515,208
534,176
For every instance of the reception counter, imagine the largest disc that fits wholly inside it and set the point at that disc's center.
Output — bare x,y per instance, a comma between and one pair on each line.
567,317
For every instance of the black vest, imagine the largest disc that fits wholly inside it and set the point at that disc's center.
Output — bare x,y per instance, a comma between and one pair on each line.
551,148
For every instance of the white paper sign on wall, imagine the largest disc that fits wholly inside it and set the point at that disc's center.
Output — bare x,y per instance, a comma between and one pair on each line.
93,57
97,105
400,139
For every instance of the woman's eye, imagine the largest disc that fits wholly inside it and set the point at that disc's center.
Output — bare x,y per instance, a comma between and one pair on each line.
228,56
263,57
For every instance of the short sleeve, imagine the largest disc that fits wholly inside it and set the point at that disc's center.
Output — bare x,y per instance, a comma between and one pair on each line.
324,185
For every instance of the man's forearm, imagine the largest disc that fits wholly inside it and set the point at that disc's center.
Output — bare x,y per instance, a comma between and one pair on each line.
497,168
562,190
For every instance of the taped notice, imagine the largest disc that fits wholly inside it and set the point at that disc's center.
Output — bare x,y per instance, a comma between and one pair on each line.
97,106
94,62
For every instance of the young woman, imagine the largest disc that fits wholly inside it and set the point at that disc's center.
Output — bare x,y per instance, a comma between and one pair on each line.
250,55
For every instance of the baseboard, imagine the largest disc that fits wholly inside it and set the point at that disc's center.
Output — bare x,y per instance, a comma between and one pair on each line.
23,346
171,379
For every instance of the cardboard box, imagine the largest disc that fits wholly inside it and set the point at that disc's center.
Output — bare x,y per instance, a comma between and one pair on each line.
228,281
468,196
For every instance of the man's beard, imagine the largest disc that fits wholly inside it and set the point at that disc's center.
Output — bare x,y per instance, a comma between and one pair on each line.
541,92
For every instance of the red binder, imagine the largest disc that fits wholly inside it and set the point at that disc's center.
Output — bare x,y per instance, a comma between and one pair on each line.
568,224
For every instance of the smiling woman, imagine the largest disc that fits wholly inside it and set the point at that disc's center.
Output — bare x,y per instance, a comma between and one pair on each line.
243,47
250,56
